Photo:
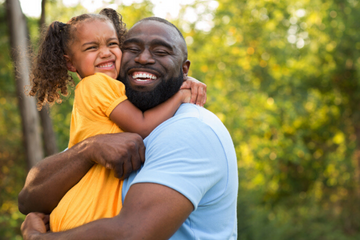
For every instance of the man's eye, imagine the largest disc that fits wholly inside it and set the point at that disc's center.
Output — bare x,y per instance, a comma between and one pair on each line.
161,52
131,49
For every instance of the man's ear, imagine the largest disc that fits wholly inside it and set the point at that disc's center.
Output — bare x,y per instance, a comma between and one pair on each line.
185,68
69,64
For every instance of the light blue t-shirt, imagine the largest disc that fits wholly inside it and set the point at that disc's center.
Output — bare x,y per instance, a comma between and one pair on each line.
193,154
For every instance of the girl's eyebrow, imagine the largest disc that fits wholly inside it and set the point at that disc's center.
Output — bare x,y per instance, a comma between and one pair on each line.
89,43
94,42
114,38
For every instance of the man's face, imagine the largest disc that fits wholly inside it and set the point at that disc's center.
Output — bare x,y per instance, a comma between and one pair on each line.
153,63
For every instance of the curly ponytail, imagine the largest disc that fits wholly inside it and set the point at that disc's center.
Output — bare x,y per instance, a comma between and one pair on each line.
49,74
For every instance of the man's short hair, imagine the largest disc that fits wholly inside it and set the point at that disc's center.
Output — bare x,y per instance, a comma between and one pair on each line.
163,21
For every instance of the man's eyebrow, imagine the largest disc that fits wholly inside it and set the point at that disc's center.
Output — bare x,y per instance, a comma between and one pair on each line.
132,40
159,42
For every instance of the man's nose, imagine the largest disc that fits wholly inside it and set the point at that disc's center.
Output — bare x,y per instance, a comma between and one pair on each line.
145,57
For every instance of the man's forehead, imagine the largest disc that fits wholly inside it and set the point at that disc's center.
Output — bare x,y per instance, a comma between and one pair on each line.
151,28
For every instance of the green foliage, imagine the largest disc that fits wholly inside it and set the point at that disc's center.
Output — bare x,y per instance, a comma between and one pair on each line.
12,157
283,77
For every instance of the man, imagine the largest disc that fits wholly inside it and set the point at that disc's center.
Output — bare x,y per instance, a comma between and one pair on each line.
187,188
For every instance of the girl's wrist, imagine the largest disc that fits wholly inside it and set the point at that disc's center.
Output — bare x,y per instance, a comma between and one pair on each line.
185,95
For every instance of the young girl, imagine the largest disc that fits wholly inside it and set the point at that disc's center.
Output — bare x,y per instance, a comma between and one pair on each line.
90,46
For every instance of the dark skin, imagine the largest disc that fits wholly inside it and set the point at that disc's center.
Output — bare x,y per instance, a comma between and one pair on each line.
159,210
55,175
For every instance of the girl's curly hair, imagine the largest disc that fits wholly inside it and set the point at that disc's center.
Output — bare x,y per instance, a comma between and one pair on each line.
49,75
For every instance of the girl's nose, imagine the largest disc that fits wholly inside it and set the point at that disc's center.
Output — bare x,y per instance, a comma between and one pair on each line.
105,52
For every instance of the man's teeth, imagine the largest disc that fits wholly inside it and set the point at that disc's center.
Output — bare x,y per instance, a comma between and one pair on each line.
106,65
144,76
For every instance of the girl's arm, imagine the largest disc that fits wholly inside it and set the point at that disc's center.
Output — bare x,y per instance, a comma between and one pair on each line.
198,90
131,119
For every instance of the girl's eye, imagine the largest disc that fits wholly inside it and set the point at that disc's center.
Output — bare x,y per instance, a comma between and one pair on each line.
114,44
90,48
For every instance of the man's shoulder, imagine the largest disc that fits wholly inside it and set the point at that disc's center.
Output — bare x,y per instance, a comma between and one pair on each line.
199,118
196,115
192,126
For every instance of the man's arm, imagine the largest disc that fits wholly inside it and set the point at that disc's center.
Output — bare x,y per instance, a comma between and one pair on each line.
51,178
150,211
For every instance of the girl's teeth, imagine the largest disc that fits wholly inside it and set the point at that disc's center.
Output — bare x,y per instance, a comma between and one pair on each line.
106,65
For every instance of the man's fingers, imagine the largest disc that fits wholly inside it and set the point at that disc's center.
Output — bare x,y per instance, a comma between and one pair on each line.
45,218
142,152
119,171
127,168
139,149
136,161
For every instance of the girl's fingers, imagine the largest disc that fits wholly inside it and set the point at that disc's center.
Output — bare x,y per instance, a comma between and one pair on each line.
194,93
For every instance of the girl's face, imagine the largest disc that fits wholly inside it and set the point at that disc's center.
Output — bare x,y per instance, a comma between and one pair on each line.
95,49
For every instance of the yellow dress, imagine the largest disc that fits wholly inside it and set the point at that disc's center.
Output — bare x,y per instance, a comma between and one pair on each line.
98,194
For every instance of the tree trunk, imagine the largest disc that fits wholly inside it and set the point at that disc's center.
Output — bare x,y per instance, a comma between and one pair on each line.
48,131
29,116
46,122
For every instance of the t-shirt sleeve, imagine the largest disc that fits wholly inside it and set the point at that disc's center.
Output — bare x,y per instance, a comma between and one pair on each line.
186,156
98,95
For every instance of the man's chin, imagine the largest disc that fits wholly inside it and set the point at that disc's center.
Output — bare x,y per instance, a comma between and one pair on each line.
142,86
146,97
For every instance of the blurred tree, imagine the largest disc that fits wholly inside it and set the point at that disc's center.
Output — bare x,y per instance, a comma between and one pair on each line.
12,153
19,43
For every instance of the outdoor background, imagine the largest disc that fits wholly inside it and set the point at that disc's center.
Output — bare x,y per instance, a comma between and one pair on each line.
283,77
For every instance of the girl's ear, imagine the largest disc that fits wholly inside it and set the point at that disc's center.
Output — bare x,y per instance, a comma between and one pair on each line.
69,64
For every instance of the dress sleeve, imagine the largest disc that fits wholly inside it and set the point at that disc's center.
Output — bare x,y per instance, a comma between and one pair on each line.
98,95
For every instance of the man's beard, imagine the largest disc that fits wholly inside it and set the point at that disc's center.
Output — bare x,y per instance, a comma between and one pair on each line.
162,92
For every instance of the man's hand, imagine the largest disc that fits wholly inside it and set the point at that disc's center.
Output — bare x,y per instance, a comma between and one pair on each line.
34,224
122,152
198,90
51,178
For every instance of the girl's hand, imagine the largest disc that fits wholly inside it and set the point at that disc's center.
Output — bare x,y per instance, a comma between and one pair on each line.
34,224
198,90
185,95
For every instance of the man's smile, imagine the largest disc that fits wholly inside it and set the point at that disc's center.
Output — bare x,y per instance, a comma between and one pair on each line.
143,77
